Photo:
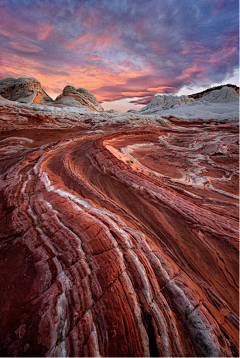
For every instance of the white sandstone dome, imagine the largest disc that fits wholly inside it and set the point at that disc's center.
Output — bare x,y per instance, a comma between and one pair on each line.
223,95
165,102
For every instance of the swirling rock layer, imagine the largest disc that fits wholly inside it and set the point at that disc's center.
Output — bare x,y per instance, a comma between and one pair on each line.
120,242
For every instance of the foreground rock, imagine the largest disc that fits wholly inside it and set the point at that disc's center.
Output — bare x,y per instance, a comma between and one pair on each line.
122,242
24,90
78,98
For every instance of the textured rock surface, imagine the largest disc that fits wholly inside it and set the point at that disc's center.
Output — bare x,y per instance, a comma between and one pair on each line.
209,90
25,90
225,94
117,240
218,104
166,102
79,97
132,111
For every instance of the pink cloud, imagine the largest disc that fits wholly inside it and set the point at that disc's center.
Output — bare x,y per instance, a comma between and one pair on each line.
44,31
189,73
24,45
163,89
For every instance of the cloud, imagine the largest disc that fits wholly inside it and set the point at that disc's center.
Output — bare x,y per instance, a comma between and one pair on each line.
129,49
144,100
26,46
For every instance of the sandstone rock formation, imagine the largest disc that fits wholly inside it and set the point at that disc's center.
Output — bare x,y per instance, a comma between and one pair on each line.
218,103
225,94
24,90
117,240
165,102
209,90
79,97
29,90
4,101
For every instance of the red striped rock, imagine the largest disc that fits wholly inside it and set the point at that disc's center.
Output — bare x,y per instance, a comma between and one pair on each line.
119,243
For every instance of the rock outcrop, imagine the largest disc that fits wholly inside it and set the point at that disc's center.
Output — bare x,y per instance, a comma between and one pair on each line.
4,101
78,97
165,102
199,95
218,103
24,90
222,95
132,111
29,91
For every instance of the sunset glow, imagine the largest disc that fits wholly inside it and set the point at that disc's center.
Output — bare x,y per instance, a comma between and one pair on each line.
120,50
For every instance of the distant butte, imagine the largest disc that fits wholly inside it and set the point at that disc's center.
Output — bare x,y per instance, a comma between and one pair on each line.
118,231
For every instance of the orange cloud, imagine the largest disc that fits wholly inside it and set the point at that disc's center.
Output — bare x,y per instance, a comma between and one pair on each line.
55,80
134,94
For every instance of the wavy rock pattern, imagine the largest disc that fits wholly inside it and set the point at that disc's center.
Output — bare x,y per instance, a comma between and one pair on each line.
119,243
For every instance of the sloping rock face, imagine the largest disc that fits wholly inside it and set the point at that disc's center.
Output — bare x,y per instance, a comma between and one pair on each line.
24,90
225,94
122,242
79,97
166,102
132,111
4,101
207,91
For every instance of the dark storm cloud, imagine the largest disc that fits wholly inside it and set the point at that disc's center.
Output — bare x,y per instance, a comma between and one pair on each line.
120,48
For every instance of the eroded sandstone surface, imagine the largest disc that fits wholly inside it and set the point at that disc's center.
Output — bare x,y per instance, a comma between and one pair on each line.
78,97
29,91
24,90
118,237
219,102
229,89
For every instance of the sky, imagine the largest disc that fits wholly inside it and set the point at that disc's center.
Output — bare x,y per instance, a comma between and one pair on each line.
123,51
